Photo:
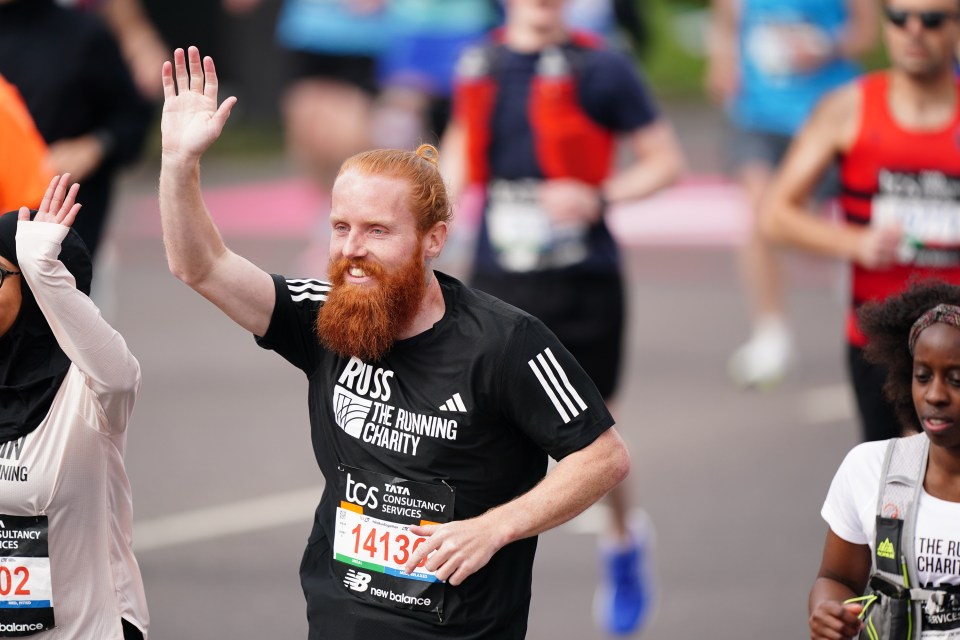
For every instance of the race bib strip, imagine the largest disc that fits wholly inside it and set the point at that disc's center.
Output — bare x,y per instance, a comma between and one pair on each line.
408,512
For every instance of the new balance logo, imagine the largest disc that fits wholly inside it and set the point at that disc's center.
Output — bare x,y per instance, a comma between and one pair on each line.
555,383
357,581
885,550
454,404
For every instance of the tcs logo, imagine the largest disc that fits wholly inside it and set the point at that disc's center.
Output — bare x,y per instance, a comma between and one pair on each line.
357,581
360,494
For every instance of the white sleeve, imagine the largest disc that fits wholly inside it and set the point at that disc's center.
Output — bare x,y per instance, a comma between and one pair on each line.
94,347
851,503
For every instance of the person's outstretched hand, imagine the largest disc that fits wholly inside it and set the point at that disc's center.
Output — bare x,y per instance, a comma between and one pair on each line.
191,119
58,205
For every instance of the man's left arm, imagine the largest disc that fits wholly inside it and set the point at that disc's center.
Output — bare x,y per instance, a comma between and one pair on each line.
860,34
456,550
617,97
658,163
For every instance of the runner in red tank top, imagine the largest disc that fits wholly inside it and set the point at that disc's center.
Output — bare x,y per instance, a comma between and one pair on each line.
897,134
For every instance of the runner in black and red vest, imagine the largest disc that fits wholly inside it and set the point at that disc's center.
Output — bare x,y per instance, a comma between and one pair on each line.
897,134
538,113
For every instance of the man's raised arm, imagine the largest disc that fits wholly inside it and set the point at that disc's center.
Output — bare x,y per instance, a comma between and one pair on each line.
196,254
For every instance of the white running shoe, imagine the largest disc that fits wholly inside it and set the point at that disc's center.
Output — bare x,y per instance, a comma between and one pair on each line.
764,360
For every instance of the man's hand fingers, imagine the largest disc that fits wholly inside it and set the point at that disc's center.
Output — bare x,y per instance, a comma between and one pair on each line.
419,557
223,112
180,68
196,70
166,77
211,83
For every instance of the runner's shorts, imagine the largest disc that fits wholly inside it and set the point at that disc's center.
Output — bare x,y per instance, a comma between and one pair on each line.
585,311
356,70
747,147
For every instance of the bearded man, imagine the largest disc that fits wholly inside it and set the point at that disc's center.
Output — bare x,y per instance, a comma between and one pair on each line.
433,407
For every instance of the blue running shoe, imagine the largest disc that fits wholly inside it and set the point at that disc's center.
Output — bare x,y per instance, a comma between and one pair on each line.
626,596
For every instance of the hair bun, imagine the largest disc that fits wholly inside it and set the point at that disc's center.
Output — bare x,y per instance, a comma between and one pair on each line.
429,153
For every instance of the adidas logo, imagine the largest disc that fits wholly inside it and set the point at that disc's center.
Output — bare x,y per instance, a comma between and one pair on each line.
885,550
556,385
454,404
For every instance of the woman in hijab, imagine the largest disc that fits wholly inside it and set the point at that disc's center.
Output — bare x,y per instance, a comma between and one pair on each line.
68,383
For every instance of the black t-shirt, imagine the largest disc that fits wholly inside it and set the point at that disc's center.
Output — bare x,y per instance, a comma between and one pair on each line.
456,420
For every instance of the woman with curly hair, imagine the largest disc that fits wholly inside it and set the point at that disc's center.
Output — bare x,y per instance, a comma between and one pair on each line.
916,336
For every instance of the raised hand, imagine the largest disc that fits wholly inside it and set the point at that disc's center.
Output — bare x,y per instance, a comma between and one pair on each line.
58,205
191,119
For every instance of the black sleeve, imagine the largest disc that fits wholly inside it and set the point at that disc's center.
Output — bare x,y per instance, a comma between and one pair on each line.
545,392
614,94
292,331
125,114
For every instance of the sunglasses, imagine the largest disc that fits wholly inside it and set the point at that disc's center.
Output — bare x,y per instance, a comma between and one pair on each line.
928,19
6,272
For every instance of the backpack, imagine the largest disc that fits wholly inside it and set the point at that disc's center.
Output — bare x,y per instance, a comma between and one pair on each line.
892,605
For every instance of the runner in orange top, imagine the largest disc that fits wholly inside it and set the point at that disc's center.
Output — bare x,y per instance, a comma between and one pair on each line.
24,172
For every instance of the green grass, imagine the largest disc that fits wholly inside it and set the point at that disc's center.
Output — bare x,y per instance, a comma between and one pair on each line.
674,70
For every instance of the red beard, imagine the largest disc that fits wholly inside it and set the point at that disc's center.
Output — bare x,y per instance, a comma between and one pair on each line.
364,321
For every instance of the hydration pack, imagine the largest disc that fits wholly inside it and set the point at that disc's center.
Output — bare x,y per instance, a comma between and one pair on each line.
568,144
893,604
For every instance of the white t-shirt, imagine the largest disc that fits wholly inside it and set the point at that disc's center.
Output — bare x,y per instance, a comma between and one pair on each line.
70,468
851,510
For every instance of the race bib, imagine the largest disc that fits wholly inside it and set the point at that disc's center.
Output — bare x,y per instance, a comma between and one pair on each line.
522,234
941,617
772,46
26,591
372,540
931,227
